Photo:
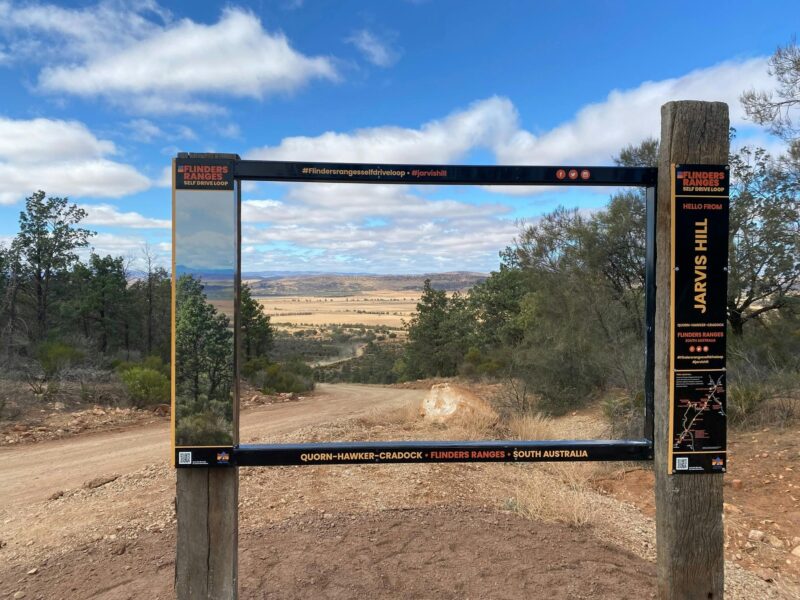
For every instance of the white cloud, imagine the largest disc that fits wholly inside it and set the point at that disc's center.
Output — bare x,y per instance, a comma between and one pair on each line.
106,214
376,51
230,130
484,124
62,158
593,136
143,130
168,68
77,33
348,227
129,246
376,228
166,177
598,131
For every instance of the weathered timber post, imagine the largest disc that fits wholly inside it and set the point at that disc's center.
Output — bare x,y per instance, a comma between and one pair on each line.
689,526
207,507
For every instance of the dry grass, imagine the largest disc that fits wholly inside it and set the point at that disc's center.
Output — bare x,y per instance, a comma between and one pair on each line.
406,414
531,427
379,307
473,425
559,492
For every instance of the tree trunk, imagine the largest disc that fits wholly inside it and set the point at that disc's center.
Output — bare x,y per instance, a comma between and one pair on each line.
735,320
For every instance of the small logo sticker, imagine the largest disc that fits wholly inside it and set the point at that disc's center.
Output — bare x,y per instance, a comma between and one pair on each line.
184,458
716,461
223,457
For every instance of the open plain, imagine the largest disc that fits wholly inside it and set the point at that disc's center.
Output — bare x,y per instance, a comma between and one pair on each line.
373,308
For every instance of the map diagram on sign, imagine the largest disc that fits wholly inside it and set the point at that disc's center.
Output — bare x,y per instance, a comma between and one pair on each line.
701,410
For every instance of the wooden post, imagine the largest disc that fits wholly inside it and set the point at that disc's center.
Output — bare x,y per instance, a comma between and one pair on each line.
689,529
208,515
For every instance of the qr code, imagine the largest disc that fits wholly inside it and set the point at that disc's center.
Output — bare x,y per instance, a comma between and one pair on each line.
185,458
682,463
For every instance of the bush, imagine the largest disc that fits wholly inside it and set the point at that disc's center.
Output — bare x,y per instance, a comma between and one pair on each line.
149,362
275,378
477,365
146,386
624,412
253,366
207,428
54,357
773,400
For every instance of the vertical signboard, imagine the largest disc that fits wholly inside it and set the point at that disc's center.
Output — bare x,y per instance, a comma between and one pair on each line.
205,277
700,206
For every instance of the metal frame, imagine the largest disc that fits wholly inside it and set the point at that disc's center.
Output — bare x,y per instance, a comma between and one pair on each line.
460,451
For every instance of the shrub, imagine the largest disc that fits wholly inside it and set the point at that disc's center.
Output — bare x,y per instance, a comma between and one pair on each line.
145,386
156,364
757,402
54,357
624,412
207,428
274,378
148,362
253,366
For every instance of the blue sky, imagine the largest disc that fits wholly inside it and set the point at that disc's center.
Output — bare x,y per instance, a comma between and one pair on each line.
97,98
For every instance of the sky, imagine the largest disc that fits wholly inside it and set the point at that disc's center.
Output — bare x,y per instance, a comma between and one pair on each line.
97,98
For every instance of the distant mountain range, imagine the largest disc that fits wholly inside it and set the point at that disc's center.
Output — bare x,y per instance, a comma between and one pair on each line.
310,283
346,284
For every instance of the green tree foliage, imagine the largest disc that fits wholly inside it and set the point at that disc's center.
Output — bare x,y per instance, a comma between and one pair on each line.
257,334
495,303
48,294
643,154
102,301
775,109
151,295
764,256
438,334
581,311
13,327
203,374
46,248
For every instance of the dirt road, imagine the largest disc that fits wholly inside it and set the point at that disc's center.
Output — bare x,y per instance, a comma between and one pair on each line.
31,473
354,531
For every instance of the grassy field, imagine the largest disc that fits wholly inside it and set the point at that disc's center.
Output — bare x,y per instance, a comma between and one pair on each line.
372,308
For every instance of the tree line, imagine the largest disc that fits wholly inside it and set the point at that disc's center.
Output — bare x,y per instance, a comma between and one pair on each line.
98,309
99,305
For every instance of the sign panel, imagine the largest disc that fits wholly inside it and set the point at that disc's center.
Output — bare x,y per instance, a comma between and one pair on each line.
700,206
204,282
205,327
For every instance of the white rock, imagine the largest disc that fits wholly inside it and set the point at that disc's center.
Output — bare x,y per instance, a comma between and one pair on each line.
755,535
